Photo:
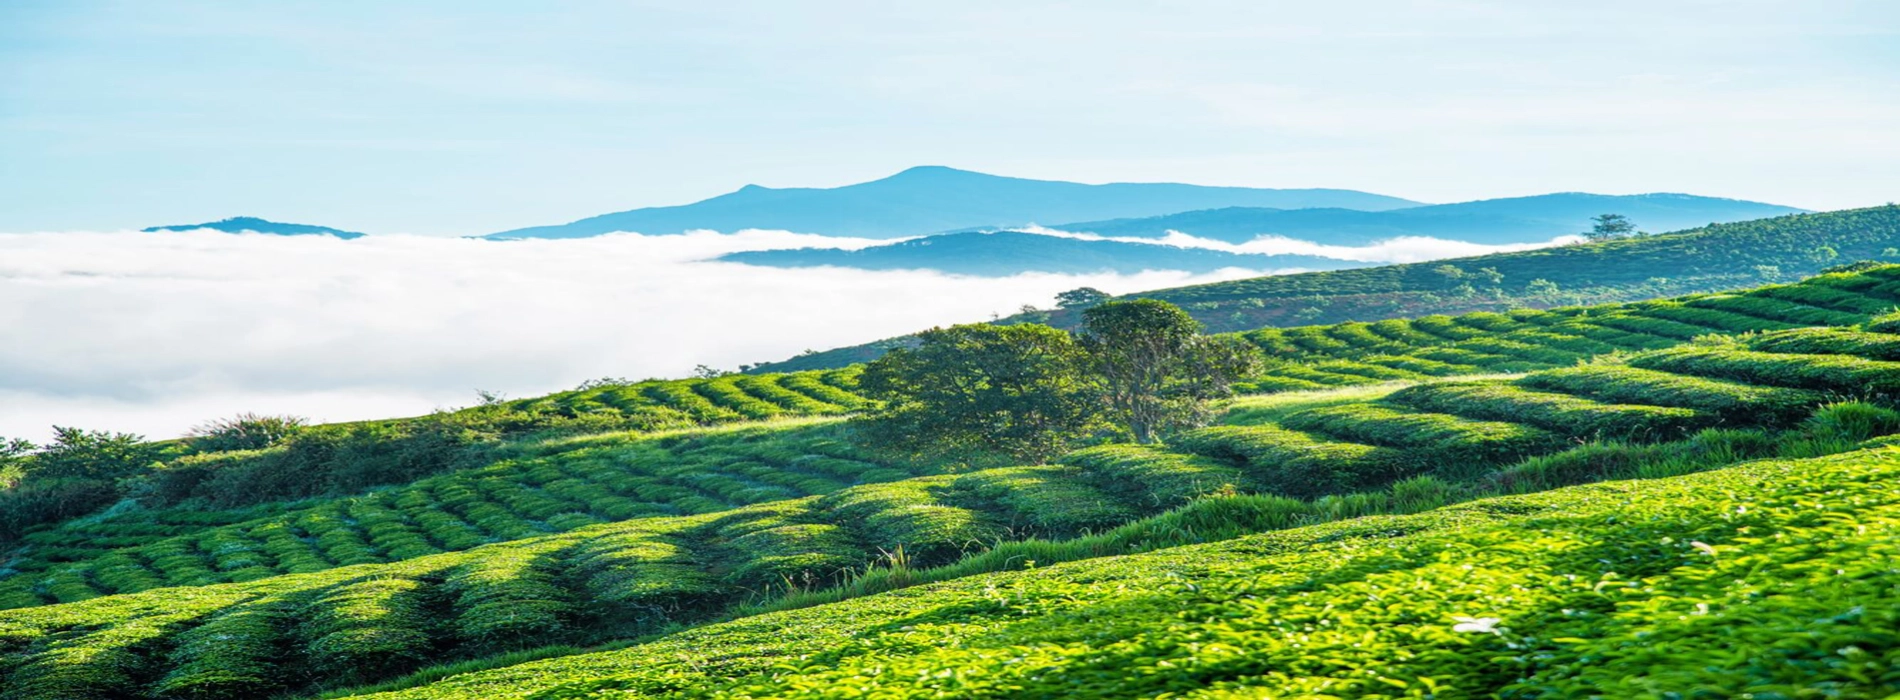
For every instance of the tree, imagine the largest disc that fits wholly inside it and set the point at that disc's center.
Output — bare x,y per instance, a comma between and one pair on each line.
13,454
1541,288
1157,371
92,454
245,431
1491,276
1080,298
1610,227
977,389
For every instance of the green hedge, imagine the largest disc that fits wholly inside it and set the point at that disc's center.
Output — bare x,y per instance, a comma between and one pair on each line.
1731,401
1297,464
1840,374
1567,415
1435,436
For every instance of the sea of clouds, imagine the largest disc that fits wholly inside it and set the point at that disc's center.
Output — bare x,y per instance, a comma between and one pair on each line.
155,333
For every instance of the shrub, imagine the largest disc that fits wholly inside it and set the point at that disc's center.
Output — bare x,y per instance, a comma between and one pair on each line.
1845,375
245,431
1852,421
367,629
1829,341
1146,473
1438,437
1569,415
1295,463
1730,401
1046,499
233,656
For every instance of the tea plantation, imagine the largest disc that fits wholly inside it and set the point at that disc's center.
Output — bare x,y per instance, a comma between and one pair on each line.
1640,508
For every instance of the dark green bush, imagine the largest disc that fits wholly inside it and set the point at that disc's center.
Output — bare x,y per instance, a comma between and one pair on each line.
1296,464
1731,401
1568,415
1436,437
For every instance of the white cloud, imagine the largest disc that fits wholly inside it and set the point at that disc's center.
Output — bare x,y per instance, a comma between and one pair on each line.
154,333
1404,249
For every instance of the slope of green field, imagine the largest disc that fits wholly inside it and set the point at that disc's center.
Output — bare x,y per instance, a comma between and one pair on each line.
1774,579
552,486
1715,258
1311,357
594,539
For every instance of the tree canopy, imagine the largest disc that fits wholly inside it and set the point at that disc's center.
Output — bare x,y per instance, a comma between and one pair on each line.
980,388
1156,370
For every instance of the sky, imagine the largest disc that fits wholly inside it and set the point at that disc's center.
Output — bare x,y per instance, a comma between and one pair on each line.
457,117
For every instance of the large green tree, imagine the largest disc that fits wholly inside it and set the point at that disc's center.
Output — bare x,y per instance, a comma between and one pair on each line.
977,389
1157,371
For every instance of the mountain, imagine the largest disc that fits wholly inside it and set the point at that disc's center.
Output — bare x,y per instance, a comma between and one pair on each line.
243,224
930,199
1491,221
1008,253
1707,259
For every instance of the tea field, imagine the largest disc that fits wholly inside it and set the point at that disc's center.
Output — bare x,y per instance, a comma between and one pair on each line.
581,541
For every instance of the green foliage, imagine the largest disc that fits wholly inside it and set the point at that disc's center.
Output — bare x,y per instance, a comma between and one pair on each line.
367,629
1845,375
1297,464
94,454
980,388
1140,473
1434,437
583,539
1156,369
1564,414
245,431
1616,590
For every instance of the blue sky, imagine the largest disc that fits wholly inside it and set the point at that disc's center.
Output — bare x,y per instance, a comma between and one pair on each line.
466,117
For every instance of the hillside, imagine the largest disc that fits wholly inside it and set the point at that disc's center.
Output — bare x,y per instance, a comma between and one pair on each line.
249,224
884,575
1491,221
1007,253
1709,259
928,199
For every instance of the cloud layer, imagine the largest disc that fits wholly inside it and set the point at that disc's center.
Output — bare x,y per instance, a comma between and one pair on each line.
154,333
1404,249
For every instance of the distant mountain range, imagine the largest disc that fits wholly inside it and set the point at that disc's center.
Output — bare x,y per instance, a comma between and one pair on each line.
1490,221
1007,253
244,224
931,199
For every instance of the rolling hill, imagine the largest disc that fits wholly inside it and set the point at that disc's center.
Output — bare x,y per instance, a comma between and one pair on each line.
1712,258
248,224
1005,253
929,199
1490,221
1592,530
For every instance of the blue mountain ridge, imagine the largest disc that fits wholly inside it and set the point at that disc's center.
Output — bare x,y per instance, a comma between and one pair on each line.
928,199
241,224
1007,253
1490,221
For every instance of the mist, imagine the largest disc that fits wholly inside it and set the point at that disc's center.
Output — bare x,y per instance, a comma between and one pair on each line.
155,333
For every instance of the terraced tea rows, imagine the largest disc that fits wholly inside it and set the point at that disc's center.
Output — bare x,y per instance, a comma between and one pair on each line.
353,617
1311,357
709,401
570,484
1785,571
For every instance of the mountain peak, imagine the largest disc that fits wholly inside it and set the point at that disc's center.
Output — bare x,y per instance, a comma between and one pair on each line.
933,172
